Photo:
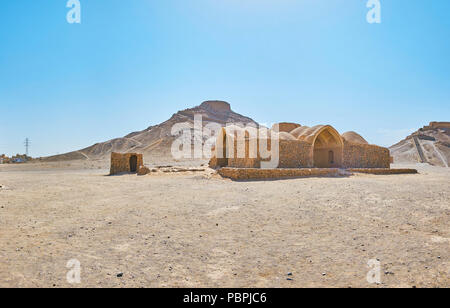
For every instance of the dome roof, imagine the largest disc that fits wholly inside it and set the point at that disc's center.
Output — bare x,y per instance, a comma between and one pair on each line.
354,137
285,127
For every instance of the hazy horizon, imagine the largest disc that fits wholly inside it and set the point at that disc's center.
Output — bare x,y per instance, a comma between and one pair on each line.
129,66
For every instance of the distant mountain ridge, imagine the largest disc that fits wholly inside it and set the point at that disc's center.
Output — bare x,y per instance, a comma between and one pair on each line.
157,139
430,144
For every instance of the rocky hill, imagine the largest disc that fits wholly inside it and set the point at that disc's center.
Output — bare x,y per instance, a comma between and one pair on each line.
157,140
430,144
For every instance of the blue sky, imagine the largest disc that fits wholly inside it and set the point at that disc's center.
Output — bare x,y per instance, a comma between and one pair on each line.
132,64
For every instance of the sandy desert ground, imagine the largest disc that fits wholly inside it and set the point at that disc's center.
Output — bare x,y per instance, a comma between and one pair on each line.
199,230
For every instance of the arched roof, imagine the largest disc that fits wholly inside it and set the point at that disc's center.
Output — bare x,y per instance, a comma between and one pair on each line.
310,135
304,133
286,136
233,131
298,131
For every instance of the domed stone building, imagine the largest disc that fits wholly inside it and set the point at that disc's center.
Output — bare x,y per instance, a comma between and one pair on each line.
299,146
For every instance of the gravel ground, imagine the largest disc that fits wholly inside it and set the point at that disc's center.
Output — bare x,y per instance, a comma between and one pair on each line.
196,229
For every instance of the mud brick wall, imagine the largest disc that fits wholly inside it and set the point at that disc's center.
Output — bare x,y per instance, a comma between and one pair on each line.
215,162
383,171
246,161
365,156
295,154
436,125
292,154
261,174
299,154
121,162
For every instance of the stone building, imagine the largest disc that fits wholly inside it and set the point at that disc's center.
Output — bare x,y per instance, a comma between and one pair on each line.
320,146
128,162
437,125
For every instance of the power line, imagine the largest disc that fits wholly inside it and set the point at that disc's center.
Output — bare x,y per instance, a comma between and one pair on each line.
27,146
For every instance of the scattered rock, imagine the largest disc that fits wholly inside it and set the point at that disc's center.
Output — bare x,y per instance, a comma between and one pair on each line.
143,170
161,167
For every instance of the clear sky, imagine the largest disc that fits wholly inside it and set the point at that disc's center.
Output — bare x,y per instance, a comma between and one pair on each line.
132,64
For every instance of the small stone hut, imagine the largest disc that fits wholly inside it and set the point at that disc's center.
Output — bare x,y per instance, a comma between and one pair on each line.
127,162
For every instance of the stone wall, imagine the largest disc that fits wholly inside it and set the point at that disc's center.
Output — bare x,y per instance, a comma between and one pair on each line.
292,154
383,171
295,154
300,154
247,161
283,173
436,125
365,156
215,162
120,163
280,173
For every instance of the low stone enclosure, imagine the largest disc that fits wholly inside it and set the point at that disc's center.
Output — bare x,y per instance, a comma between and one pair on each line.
383,171
302,151
285,173
262,174
126,163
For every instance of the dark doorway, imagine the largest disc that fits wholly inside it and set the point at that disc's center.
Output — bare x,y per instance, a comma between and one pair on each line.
133,163
328,149
331,157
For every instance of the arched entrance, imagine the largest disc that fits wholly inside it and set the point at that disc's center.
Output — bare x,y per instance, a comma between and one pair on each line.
133,163
328,149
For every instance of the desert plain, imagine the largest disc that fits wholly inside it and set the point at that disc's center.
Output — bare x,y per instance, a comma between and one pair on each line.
196,229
